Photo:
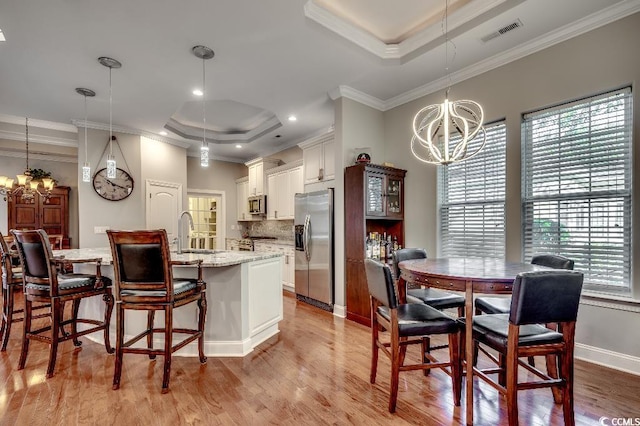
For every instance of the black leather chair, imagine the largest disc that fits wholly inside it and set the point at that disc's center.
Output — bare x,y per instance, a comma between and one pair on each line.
501,305
538,297
43,284
433,297
144,281
404,321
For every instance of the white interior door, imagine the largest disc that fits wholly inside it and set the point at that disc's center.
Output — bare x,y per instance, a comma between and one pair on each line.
164,203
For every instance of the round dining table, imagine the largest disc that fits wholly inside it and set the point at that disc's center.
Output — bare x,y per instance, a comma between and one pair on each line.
467,275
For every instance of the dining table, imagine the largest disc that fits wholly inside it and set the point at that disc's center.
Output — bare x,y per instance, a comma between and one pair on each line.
470,276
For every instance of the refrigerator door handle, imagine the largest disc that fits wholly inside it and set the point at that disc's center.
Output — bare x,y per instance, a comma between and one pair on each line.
307,236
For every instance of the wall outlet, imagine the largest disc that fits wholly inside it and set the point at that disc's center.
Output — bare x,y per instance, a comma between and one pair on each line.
100,229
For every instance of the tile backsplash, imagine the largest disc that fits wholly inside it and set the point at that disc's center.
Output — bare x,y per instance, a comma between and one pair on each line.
281,229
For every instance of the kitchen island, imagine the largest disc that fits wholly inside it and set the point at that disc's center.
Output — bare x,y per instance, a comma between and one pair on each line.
244,299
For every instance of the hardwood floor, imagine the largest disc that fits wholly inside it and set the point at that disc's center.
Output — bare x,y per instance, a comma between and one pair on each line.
316,371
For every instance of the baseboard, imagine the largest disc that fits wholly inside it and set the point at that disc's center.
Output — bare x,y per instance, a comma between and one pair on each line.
340,311
617,361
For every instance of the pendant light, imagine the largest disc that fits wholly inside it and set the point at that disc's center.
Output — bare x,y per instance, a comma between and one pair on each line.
86,169
111,161
434,125
204,53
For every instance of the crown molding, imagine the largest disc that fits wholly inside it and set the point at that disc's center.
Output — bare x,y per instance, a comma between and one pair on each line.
38,156
358,96
128,130
42,124
584,25
323,137
49,140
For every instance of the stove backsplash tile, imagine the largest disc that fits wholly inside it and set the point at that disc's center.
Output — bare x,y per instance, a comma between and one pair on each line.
281,229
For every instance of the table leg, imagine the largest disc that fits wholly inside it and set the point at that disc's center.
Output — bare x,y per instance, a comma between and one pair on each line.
402,291
468,305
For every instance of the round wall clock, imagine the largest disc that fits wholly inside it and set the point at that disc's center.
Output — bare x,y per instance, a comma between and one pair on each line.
115,189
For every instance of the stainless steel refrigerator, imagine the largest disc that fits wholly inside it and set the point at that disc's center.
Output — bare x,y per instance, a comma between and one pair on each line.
313,228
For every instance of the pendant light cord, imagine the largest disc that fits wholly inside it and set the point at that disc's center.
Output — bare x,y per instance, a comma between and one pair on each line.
110,115
26,124
86,154
204,105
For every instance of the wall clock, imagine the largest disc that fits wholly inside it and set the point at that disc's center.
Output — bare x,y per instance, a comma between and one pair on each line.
115,189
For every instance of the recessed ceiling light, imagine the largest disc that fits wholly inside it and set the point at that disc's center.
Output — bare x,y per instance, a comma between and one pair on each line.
238,146
198,92
2,36
292,118
163,133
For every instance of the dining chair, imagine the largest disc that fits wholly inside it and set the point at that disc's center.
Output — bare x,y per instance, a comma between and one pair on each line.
11,282
144,282
538,297
404,321
429,296
43,284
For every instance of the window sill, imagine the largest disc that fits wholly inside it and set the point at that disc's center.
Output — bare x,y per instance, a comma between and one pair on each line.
610,301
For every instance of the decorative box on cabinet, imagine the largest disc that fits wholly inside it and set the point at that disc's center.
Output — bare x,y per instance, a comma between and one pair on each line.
374,202
318,156
52,215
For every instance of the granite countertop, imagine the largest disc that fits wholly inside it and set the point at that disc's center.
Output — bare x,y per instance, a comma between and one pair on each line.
216,259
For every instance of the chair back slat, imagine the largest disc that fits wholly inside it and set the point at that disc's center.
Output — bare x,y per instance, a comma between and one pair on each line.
552,261
380,283
546,297
406,254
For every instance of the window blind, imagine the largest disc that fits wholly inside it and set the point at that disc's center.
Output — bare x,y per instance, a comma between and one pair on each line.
471,196
576,162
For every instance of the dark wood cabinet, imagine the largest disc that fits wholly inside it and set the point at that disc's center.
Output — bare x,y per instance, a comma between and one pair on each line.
374,202
51,215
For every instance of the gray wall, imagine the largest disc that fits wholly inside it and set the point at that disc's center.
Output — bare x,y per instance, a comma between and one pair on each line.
594,62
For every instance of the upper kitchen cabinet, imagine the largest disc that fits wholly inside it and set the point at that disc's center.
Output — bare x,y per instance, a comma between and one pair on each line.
283,183
384,191
242,194
51,215
318,156
257,177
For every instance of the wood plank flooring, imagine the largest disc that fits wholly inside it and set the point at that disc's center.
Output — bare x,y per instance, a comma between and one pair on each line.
315,372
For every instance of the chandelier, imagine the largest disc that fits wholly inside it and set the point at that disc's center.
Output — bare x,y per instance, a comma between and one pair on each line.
27,187
444,133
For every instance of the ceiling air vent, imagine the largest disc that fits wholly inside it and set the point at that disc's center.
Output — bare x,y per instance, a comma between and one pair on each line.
502,31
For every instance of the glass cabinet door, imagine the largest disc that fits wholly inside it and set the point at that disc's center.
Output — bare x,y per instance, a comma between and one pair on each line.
394,197
375,195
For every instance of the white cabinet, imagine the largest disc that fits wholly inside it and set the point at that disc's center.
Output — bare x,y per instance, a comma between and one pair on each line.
257,178
318,156
242,189
288,261
283,185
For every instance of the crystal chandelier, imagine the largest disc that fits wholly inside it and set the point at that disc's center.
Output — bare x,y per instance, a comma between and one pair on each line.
111,160
86,169
26,187
204,53
442,132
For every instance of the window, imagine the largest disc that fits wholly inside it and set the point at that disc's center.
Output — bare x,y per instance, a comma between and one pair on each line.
577,186
472,195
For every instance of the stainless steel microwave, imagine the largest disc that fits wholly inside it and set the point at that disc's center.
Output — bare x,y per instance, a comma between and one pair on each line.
258,204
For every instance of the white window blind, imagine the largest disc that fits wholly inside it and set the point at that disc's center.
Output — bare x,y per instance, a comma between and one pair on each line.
471,195
577,186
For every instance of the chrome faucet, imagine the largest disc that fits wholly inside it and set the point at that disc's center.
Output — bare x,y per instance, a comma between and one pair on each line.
182,214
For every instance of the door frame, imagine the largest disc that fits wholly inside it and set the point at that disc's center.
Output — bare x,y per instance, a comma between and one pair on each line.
222,218
153,183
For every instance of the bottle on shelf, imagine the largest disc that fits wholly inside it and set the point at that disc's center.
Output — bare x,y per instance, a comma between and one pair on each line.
369,246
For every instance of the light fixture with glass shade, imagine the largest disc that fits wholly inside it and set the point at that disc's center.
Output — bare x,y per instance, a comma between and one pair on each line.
442,132
204,53
27,186
86,169
111,160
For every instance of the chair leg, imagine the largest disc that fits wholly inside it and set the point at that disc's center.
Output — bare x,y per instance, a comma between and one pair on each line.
108,299
202,304
151,314
456,367
395,370
74,324
117,372
55,333
502,375
552,371
168,342
566,373
512,377
26,330
426,348
7,315
532,361
375,331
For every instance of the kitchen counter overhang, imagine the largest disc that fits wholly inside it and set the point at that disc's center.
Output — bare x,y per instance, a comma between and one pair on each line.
244,299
